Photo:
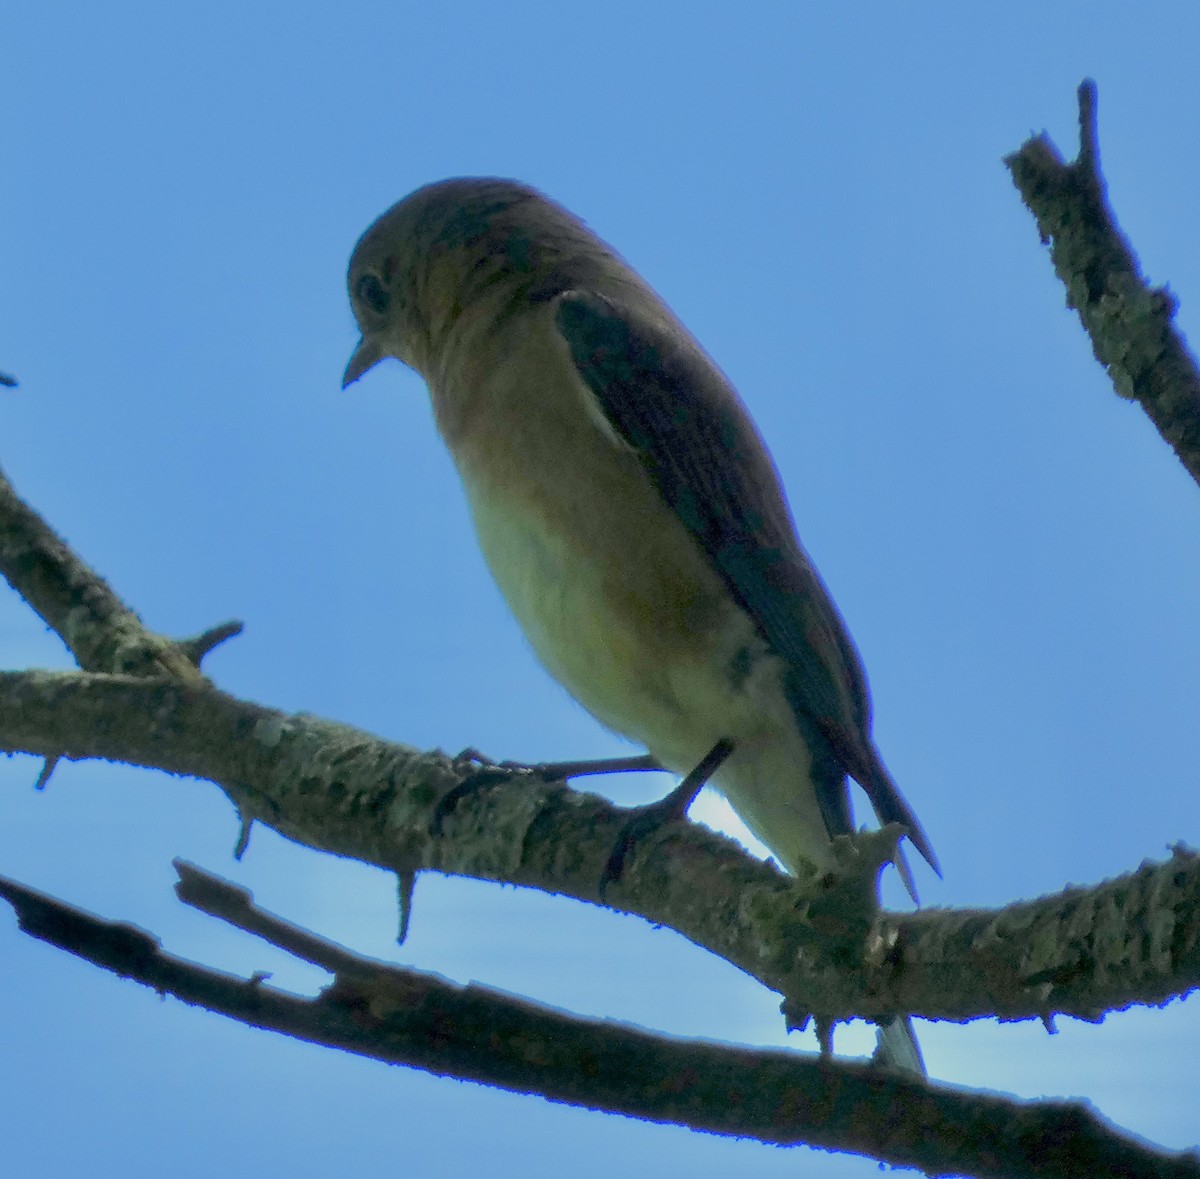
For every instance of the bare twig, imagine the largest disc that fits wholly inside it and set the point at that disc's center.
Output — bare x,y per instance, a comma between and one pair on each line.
46,773
196,648
1130,323
235,905
407,1017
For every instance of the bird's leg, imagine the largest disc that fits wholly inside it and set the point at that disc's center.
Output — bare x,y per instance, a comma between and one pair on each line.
490,773
561,771
646,820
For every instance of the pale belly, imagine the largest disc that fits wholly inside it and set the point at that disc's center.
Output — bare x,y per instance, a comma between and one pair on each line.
673,674
560,592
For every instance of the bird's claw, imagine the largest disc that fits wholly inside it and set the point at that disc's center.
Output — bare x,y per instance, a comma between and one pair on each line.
646,820
483,778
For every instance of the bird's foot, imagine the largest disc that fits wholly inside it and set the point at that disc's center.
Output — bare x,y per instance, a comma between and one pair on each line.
482,773
646,820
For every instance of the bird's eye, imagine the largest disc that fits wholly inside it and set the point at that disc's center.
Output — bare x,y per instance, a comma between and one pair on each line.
370,291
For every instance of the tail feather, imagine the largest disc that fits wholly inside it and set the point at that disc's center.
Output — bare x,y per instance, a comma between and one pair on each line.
896,1046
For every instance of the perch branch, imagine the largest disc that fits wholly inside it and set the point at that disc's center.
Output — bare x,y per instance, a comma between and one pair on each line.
1135,939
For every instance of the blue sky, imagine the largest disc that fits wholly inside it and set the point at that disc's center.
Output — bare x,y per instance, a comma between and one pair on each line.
818,193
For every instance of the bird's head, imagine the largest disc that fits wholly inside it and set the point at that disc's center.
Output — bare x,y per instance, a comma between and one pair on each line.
453,246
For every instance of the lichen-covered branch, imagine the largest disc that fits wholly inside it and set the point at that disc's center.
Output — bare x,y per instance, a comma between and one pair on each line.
407,1017
1135,939
1131,324
101,632
337,789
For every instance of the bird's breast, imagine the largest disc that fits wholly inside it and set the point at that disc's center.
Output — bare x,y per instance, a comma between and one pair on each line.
615,596
610,618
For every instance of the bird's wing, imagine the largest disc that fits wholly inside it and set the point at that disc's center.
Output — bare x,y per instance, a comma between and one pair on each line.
668,401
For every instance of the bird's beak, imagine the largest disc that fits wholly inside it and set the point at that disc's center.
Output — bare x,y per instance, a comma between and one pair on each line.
366,355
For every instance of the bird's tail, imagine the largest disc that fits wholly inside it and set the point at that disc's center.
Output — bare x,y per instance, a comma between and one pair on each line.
896,1046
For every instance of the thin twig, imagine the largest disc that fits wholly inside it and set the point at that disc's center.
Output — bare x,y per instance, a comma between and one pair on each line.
196,648
1131,324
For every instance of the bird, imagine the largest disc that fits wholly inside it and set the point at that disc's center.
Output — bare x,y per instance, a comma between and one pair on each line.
629,510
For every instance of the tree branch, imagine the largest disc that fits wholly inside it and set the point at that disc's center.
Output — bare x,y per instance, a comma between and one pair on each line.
407,1017
1130,323
1135,939
100,631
